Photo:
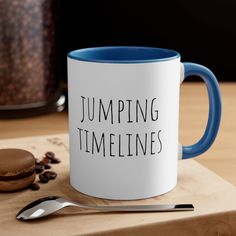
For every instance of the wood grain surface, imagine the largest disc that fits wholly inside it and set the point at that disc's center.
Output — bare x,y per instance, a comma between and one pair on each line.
212,196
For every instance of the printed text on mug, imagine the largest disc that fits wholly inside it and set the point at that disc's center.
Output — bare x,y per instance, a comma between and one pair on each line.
119,111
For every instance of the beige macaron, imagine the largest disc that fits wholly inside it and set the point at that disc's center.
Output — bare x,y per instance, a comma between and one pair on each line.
17,169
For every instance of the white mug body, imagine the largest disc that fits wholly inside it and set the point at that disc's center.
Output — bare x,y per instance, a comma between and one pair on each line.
123,127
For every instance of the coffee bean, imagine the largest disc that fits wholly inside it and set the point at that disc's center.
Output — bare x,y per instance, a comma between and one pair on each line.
34,187
50,155
46,160
43,178
39,168
55,160
50,174
41,165
47,166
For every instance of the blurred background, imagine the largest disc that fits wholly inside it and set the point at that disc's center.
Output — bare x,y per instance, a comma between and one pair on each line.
202,31
36,36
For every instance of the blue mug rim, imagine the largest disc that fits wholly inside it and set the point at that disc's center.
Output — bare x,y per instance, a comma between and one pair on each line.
123,54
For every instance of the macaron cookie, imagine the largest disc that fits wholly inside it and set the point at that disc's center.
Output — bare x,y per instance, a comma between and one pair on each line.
17,169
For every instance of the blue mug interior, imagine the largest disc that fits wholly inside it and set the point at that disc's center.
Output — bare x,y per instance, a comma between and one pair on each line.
123,54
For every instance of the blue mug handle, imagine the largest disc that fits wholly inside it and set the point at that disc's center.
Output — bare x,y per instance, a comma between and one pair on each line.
214,116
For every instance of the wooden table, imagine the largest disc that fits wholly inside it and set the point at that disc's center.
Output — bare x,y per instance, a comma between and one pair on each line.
193,115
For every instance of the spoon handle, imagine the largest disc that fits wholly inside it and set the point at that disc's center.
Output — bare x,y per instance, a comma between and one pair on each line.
143,208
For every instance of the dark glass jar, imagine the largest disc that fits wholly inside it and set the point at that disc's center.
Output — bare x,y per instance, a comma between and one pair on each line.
29,73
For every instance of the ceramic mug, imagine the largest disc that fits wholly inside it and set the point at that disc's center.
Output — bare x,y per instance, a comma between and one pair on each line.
124,118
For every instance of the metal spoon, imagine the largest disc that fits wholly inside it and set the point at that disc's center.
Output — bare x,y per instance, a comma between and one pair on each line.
48,205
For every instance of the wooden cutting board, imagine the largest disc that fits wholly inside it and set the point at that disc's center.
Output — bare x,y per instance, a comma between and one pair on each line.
214,200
